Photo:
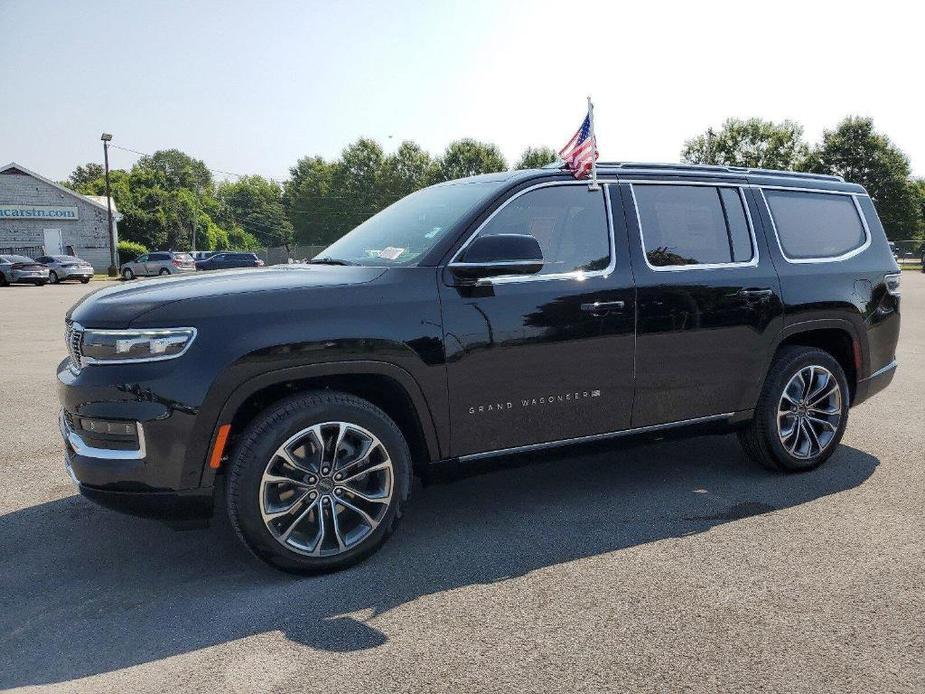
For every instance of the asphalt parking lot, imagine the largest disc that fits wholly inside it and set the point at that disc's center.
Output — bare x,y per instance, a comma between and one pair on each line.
674,566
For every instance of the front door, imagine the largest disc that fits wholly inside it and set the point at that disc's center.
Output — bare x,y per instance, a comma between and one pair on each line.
546,357
708,299
53,242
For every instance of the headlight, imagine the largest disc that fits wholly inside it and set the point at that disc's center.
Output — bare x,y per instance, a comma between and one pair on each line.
125,346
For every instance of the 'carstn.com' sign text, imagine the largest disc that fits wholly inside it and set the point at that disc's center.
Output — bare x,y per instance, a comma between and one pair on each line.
55,212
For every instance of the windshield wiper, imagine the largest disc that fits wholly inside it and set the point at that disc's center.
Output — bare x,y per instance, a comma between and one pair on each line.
331,261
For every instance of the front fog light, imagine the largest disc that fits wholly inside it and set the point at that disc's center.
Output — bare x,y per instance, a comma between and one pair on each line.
108,426
119,346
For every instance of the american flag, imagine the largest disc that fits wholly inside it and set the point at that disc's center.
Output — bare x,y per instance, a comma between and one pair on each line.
581,151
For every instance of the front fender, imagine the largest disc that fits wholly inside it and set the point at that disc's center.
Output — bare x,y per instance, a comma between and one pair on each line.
234,388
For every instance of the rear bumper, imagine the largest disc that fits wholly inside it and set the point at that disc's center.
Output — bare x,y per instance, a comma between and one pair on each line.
29,277
74,274
873,384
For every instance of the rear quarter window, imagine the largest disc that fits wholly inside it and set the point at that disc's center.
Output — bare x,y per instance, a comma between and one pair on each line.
815,225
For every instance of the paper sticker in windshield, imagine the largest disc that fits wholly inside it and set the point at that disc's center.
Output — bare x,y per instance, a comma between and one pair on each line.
391,253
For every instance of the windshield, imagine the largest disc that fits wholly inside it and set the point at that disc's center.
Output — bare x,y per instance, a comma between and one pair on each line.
403,232
18,259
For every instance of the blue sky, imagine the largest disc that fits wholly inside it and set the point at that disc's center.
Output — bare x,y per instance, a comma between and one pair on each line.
251,87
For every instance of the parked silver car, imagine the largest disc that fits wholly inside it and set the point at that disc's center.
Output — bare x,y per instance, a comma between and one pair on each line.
19,268
158,263
66,267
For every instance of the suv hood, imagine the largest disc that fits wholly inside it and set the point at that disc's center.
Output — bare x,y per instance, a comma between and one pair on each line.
117,305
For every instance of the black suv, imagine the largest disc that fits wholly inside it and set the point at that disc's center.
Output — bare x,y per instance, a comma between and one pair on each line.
225,260
483,317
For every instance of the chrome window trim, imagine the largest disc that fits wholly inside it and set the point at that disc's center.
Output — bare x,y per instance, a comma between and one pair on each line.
753,262
807,190
573,275
82,449
822,259
498,263
593,437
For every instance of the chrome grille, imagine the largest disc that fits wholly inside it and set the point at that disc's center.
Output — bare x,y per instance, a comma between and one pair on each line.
73,336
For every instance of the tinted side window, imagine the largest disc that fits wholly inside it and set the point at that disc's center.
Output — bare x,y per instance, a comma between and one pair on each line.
568,221
159,256
815,225
693,225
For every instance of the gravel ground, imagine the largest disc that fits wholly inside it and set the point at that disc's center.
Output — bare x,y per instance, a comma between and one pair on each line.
668,567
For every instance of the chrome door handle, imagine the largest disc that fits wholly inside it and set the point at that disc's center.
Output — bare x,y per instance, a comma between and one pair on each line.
754,293
603,306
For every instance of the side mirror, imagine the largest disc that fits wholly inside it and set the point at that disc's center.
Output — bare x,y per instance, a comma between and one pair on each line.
501,254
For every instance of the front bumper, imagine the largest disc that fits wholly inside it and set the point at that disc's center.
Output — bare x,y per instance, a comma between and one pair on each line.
157,478
180,509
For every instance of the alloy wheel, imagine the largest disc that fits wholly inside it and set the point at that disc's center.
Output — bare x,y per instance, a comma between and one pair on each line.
326,489
809,412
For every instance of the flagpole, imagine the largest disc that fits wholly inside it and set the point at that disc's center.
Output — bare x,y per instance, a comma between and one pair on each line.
593,185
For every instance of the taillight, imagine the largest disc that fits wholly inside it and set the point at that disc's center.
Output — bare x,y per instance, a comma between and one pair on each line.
892,282
177,263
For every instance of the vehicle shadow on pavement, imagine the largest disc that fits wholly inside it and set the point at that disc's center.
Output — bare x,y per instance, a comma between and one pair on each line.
86,591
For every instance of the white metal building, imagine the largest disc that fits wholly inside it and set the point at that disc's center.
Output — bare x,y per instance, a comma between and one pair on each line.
41,217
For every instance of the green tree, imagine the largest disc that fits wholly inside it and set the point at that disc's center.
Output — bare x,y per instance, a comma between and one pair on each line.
919,185
404,172
860,154
468,158
356,191
160,198
177,170
306,198
537,157
255,204
85,175
751,143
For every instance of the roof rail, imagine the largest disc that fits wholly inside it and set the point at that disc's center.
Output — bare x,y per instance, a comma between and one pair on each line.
716,168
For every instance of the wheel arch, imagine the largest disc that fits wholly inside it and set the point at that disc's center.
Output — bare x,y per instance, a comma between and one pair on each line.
838,337
389,387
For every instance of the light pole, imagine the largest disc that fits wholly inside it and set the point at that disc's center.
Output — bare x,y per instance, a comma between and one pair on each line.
106,138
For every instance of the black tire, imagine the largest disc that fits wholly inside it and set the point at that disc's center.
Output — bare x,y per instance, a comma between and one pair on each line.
4,282
53,277
163,271
255,449
127,274
760,437
84,280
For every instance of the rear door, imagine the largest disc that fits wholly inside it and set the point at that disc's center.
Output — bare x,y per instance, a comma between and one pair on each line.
708,298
